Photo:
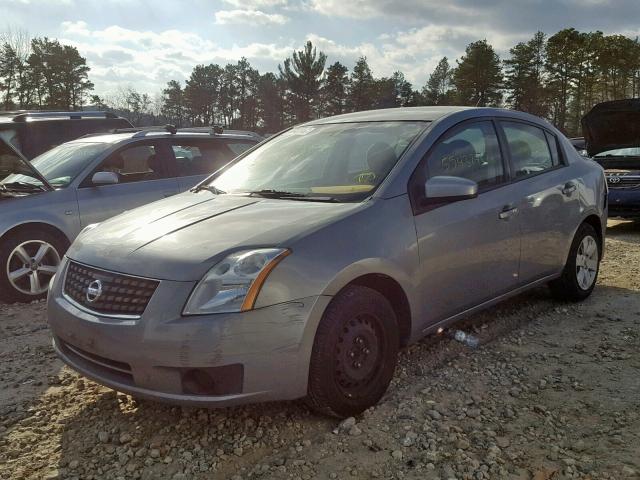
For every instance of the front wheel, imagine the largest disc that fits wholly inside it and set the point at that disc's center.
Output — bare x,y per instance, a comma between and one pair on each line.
28,261
354,354
581,270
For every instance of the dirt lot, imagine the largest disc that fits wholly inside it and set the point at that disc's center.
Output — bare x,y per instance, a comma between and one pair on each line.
553,392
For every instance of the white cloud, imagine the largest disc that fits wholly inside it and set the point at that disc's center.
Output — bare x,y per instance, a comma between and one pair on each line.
249,17
255,4
148,60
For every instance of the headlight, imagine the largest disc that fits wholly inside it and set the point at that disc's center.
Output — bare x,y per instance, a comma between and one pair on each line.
233,284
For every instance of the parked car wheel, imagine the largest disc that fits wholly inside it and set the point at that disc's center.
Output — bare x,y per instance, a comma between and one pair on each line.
354,354
28,260
581,270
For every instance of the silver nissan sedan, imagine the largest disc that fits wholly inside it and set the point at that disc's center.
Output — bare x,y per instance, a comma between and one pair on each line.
300,268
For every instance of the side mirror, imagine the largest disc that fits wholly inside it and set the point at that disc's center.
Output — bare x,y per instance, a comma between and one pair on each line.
450,189
105,178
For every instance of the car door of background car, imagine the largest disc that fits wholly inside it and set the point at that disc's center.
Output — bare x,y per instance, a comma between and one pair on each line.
142,171
548,203
469,250
197,158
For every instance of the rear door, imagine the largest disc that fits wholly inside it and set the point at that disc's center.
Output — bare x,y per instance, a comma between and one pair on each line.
143,173
548,200
197,158
469,250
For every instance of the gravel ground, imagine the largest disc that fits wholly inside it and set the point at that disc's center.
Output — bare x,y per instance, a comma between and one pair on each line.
552,392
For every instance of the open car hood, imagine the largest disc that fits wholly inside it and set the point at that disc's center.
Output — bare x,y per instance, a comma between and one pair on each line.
612,125
12,159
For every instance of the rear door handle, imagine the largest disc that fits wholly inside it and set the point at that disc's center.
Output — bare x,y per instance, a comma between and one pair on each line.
507,212
569,188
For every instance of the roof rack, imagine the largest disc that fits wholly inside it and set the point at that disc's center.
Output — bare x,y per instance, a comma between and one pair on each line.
212,130
218,130
23,117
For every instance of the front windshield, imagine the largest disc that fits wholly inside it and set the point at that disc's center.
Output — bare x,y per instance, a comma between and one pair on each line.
620,152
62,164
340,161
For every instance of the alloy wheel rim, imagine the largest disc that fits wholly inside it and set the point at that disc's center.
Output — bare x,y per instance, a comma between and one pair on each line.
587,262
31,265
358,355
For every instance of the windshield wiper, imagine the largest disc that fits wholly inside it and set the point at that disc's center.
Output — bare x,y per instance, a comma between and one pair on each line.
282,194
209,188
271,193
23,186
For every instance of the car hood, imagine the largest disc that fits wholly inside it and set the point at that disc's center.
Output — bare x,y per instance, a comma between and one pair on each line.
612,125
181,238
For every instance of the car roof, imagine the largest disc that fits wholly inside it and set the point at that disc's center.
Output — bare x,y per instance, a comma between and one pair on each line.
428,114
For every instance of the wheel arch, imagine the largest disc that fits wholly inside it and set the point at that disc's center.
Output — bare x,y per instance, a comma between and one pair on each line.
38,226
395,295
597,225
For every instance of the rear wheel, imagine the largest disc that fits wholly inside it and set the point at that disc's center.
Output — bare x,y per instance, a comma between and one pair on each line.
28,261
354,353
581,270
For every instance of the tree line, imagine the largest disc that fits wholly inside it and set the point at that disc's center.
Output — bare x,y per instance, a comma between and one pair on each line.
40,73
558,77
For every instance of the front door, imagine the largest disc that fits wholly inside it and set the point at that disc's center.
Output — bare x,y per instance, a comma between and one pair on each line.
470,249
143,178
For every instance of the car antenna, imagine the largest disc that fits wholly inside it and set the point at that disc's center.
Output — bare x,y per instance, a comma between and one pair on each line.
172,129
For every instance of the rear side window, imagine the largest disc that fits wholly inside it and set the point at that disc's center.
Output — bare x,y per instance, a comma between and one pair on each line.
239,147
198,157
553,147
529,149
468,151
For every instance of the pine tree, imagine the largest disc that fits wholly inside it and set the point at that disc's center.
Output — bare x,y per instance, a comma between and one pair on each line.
303,73
201,93
173,103
334,92
437,91
524,76
478,76
362,87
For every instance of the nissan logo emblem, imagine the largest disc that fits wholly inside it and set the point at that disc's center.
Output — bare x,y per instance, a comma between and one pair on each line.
614,179
94,290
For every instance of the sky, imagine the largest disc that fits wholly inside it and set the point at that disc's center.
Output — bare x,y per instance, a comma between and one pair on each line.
143,44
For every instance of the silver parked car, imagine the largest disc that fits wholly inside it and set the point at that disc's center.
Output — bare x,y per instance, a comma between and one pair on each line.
302,267
45,203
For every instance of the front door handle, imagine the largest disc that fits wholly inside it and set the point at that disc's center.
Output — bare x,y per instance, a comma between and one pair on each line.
569,188
507,212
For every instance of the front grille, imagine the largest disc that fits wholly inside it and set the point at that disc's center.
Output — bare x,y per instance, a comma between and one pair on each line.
106,292
623,181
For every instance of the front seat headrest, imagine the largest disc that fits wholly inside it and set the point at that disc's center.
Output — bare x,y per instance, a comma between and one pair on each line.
381,158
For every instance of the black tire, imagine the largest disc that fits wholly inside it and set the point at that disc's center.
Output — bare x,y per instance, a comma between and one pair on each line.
359,327
568,287
8,292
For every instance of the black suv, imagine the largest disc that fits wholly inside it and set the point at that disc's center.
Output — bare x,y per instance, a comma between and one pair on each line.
35,132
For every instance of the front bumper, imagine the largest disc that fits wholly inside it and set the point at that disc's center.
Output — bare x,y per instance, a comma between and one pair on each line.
263,354
624,203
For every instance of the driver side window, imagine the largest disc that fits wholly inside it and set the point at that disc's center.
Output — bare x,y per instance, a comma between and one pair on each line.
469,151
528,149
